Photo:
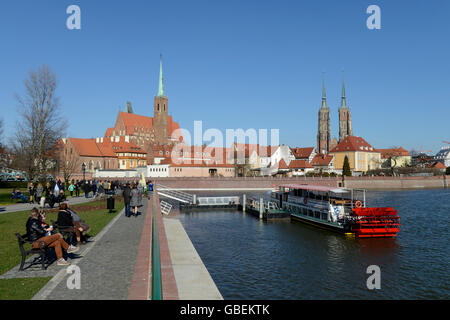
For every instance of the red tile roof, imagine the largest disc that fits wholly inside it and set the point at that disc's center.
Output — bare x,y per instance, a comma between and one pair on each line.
387,153
353,143
436,165
300,164
282,165
302,153
321,160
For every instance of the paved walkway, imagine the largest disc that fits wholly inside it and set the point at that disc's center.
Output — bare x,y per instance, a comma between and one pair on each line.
116,264
29,206
106,267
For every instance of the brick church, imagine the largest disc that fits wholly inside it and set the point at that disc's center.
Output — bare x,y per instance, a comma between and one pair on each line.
131,143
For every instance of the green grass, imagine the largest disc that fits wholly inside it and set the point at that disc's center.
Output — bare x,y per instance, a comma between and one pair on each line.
5,195
21,289
12,223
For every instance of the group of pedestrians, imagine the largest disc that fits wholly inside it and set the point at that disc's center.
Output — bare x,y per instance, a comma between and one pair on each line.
132,196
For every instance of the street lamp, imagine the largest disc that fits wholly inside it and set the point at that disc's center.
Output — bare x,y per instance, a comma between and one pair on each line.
83,168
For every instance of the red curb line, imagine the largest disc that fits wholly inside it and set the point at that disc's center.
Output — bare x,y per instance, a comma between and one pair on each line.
140,288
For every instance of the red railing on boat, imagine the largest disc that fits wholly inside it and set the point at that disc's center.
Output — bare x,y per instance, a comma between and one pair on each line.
375,222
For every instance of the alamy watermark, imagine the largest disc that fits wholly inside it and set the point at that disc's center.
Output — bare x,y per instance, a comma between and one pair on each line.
73,22
374,281
74,280
374,20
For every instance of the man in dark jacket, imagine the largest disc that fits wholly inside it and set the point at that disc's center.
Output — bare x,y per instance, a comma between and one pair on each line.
127,199
36,233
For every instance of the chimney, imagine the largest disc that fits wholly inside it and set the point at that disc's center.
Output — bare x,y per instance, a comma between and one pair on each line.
97,140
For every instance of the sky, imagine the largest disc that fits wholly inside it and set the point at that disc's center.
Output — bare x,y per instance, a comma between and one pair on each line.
238,64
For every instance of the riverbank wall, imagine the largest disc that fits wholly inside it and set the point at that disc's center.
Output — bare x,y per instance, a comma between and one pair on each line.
267,183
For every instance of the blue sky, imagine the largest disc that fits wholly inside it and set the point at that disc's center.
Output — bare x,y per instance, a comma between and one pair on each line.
239,64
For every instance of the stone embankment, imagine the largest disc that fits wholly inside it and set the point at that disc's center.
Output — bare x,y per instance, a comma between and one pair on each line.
266,183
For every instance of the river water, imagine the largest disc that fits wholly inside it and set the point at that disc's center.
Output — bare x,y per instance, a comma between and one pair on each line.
250,259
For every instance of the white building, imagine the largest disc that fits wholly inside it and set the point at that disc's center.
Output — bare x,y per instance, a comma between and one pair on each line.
443,156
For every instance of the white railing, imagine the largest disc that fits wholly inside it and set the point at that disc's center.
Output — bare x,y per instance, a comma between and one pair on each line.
175,194
165,207
217,201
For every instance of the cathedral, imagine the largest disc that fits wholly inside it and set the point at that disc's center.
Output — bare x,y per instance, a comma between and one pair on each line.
147,132
324,142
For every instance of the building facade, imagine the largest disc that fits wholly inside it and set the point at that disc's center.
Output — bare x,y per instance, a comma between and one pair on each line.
361,155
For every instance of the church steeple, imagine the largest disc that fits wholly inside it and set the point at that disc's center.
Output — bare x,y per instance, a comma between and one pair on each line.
345,117
324,132
343,99
161,80
324,94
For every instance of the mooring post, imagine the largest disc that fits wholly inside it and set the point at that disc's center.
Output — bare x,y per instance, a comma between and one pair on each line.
194,199
244,202
261,208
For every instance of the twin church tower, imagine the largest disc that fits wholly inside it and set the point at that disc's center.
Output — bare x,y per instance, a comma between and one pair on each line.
345,122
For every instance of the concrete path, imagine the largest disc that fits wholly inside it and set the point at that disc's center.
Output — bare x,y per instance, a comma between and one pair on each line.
106,267
192,278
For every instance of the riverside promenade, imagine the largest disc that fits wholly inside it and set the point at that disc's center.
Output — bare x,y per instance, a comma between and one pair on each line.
117,264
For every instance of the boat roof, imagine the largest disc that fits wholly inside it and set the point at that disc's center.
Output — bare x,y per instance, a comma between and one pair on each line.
314,188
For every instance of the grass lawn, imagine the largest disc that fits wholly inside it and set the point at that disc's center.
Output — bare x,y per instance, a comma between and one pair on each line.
93,213
21,289
5,195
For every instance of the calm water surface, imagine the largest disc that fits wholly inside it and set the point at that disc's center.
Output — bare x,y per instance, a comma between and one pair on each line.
251,259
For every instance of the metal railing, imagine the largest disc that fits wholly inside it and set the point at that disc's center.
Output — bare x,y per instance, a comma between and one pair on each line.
175,194
217,201
156,257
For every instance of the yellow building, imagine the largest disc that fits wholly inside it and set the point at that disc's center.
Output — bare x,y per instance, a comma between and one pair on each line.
362,156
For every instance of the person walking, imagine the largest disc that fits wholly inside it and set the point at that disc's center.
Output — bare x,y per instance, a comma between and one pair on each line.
134,202
150,189
77,188
39,192
127,199
71,188
31,191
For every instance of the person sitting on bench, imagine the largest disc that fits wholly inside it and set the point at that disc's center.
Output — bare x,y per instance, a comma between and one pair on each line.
17,195
50,199
78,223
37,234
65,219
61,197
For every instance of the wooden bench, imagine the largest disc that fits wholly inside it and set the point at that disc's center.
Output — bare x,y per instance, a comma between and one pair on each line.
41,250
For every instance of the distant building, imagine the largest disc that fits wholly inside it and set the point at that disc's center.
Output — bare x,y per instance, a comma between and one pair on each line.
397,157
443,156
306,154
361,155
324,163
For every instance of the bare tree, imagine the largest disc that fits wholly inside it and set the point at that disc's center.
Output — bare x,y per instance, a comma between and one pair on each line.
41,124
67,162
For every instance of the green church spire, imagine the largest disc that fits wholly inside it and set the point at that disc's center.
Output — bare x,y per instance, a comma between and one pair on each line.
161,81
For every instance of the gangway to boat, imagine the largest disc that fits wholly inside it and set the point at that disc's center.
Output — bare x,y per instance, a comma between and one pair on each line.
175,194
165,207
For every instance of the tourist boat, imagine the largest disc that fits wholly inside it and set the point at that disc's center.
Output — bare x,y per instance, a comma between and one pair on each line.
338,209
